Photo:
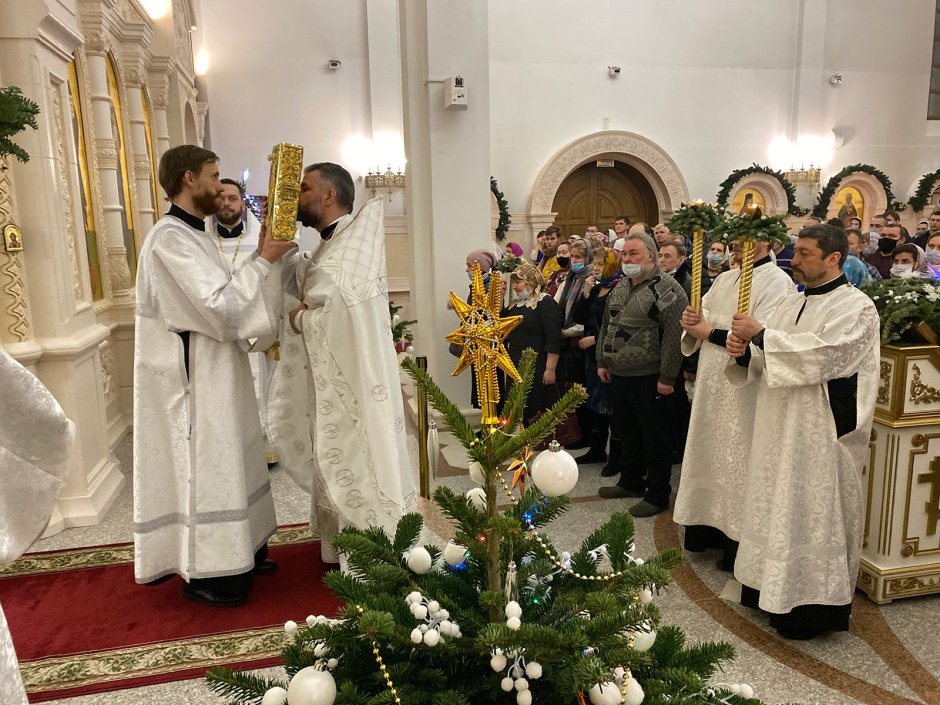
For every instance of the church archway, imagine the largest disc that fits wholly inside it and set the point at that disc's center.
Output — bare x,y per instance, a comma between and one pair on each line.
598,195
190,126
644,156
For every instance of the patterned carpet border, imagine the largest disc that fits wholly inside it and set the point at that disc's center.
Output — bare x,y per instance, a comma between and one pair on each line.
102,556
81,670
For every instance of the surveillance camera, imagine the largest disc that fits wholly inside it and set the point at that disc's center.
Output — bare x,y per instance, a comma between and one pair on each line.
835,79
613,71
334,63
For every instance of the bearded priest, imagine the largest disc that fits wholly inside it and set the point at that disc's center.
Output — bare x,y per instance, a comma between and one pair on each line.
714,471
202,500
817,364
351,452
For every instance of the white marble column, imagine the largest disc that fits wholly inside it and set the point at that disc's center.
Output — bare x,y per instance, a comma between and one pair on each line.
141,163
56,334
448,194
106,152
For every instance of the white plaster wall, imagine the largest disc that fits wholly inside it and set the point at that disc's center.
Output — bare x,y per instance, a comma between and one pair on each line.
712,83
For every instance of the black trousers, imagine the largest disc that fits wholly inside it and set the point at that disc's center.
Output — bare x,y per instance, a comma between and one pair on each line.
642,418
803,621
239,584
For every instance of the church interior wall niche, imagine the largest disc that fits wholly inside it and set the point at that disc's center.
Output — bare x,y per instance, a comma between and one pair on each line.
123,173
85,184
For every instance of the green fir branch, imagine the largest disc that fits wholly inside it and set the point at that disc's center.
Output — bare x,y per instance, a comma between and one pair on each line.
511,447
407,532
696,216
17,112
504,218
924,190
518,392
454,420
821,209
242,688
735,176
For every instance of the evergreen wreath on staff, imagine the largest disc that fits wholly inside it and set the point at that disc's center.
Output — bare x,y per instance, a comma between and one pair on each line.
749,228
693,220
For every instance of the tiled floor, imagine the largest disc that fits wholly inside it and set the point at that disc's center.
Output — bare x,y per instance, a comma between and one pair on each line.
898,664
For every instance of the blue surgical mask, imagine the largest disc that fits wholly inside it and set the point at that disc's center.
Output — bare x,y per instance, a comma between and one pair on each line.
577,266
714,258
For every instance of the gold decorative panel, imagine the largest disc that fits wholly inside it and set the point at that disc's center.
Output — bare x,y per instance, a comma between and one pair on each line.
284,190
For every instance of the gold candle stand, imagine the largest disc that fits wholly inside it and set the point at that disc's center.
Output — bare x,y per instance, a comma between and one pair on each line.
698,244
747,272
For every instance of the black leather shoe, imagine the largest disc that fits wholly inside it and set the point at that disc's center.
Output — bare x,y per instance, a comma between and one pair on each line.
161,580
211,597
610,470
265,567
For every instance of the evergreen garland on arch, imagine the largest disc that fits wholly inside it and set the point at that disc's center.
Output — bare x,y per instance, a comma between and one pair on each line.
924,188
825,196
504,219
738,174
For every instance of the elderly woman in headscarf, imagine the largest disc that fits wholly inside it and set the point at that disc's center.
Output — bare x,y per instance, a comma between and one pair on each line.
589,312
540,330
486,260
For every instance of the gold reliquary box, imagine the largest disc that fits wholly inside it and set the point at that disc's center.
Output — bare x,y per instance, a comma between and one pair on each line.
284,190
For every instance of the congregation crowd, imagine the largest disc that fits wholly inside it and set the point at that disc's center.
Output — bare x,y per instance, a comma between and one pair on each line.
737,399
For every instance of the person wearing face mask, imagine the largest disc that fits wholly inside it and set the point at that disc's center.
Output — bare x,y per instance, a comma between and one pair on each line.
855,240
883,258
932,253
638,353
922,234
910,261
568,294
562,268
716,262
875,227
540,330
672,261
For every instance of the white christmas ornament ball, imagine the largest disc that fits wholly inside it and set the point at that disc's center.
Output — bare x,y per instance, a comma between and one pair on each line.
416,636
290,626
311,687
332,663
506,684
311,620
746,691
410,350
533,669
419,611
320,650
524,697
522,684
513,623
434,606
476,473
513,609
432,637
413,597
646,596
497,662
734,688
555,472
419,560
634,694
454,553
477,497
603,693
274,696
643,641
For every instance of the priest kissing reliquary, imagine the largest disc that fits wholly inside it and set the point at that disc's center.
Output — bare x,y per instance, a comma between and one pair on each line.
284,190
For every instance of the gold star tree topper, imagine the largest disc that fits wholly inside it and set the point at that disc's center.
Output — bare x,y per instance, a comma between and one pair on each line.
482,333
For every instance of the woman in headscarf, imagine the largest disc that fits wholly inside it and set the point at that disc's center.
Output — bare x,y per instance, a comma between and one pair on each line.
606,274
513,249
540,330
486,260
910,261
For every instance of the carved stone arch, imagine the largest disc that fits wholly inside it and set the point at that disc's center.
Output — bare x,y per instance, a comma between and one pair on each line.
190,130
651,160
770,189
872,190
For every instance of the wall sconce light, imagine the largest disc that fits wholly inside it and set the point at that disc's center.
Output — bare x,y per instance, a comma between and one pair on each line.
389,180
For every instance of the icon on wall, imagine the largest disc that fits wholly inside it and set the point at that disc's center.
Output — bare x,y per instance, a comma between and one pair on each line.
850,204
745,198
12,238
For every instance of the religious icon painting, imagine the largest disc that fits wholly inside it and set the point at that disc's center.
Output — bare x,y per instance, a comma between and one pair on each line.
745,198
12,238
849,204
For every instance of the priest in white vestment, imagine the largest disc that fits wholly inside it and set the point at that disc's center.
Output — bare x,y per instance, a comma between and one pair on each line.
202,500
352,452
817,364
715,464
35,443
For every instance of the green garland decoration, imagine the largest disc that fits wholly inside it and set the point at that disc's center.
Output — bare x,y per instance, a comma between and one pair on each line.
902,303
504,218
738,174
17,112
925,187
825,196
757,226
696,216
508,265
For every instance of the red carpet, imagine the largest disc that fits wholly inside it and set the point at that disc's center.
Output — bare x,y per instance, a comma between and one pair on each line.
121,629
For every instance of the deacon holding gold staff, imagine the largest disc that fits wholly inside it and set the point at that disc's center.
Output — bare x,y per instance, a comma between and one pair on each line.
202,500
713,475
351,452
816,362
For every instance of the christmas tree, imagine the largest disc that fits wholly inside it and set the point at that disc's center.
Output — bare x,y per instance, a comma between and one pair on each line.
496,615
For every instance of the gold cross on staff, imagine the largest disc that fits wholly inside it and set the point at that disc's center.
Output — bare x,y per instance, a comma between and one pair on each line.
932,505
